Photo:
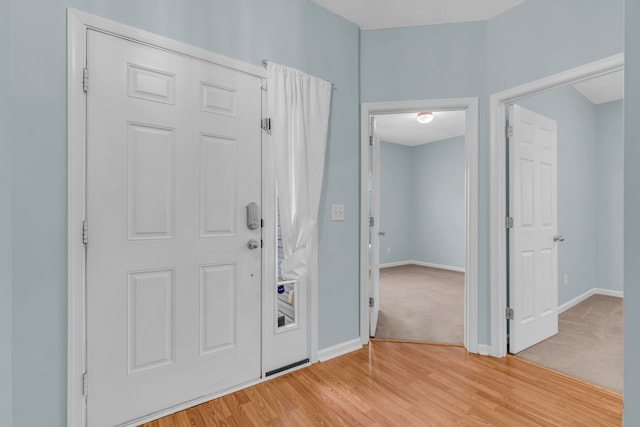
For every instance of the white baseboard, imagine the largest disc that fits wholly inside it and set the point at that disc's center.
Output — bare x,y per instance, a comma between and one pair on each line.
484,349
423,264
593,291
609,292
440,266
339,349
395,264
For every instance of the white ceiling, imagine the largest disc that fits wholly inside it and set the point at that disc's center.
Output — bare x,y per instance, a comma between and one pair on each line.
404,128
607,88
376,14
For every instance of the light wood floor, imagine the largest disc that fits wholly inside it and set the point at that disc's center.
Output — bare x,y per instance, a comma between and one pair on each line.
408,384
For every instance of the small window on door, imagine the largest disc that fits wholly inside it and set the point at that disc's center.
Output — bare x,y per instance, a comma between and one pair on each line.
286,290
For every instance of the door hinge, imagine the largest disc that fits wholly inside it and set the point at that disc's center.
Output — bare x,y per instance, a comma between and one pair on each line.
371,221
85,232
262,223
508,131
266,124
85,384
261,243
85,80
509,222
371,301
370,139
509,313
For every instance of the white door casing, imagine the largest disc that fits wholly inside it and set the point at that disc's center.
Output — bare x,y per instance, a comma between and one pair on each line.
470,106
533,279
173,291
374,273
498,175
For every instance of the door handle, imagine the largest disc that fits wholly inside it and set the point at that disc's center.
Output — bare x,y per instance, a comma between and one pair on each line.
558,238
253,244
382,233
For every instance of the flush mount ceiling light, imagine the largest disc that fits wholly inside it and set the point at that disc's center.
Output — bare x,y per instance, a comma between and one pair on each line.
424,118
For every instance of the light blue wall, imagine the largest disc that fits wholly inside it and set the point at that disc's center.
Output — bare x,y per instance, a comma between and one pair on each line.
427,62
542,37
577,186
530,41
396,194
6,403
590,190
610,195
631,412
422,202
431,62
296,33
438,170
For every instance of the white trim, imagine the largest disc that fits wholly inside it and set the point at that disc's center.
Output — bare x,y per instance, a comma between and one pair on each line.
77,25
312,326
608,292
339,349
423,264
396,264
484,350
440,266
76,122
498,197
470,105
591,292
88,21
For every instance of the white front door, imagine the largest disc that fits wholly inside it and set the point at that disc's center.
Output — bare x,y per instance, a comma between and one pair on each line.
173,290
374,228
533,279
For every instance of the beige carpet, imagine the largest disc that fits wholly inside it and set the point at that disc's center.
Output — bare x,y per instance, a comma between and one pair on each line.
589,344
421,304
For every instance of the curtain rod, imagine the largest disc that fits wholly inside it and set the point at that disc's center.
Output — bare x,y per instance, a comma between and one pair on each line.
266,61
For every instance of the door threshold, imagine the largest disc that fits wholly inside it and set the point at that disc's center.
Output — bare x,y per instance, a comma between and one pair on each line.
286,368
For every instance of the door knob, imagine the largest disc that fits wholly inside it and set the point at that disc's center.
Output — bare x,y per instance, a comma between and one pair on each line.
558,238
253,244
382,233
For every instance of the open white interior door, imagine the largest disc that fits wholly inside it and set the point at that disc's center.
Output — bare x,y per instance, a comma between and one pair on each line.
374,227
533,279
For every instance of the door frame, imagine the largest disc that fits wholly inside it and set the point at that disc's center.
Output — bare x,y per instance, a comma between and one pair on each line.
78,23
498,171
470,106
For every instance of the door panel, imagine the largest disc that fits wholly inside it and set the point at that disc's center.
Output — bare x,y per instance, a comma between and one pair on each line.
286,302
173,291
374,266
533,282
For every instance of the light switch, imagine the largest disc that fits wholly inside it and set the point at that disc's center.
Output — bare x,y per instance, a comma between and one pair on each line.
337,212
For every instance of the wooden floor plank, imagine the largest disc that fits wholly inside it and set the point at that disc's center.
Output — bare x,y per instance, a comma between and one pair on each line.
411,384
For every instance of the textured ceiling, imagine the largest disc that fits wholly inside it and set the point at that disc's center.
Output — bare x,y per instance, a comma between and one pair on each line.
375,14
404,128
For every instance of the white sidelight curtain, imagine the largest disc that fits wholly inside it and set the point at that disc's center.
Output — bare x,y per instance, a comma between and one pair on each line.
298,106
